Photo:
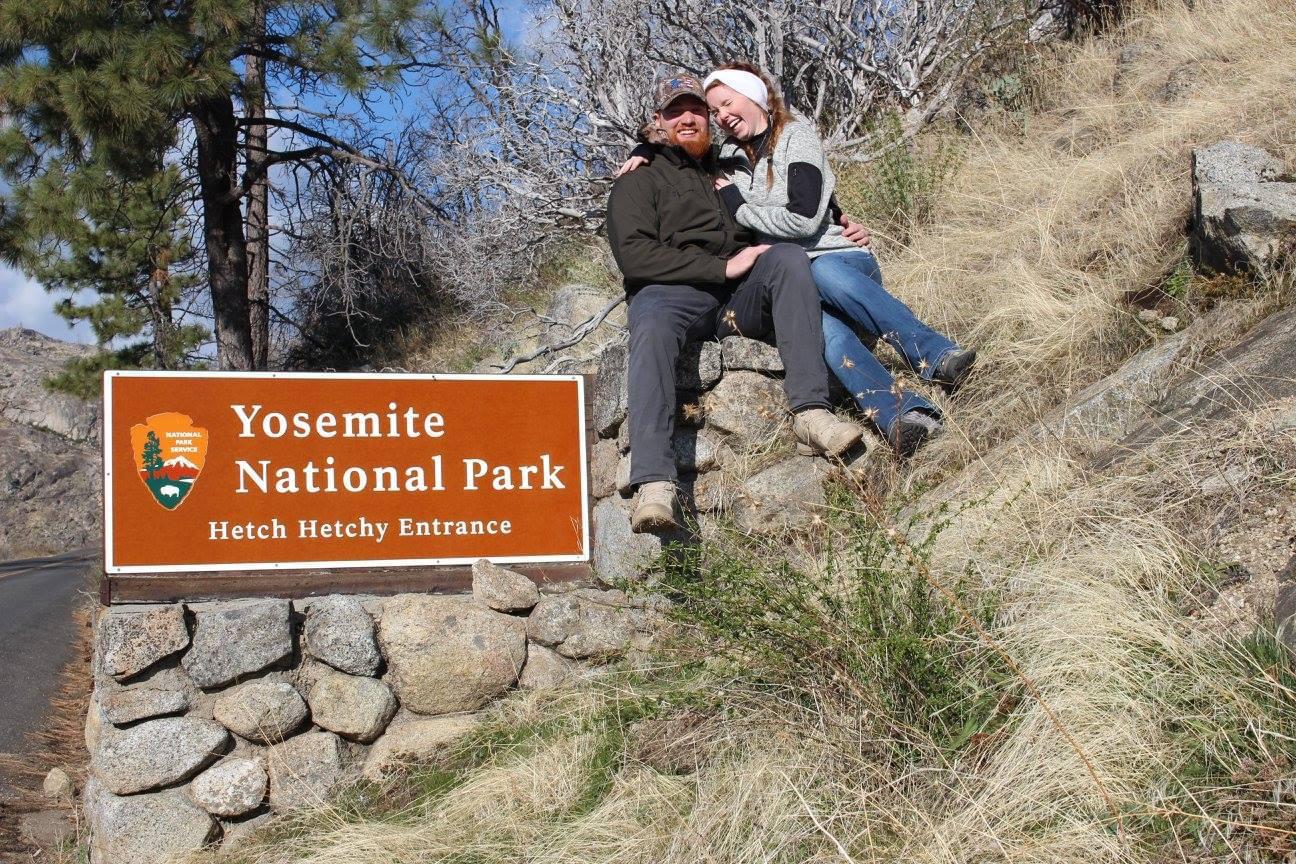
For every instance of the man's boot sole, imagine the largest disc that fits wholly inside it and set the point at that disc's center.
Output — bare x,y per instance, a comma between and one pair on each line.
653,523
649,526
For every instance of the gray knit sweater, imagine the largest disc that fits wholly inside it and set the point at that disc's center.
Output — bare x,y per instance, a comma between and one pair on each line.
794,208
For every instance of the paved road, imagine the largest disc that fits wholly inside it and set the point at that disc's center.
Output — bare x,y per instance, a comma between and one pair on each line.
37,596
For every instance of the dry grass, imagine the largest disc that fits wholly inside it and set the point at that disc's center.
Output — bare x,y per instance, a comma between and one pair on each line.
1126,713
1040,235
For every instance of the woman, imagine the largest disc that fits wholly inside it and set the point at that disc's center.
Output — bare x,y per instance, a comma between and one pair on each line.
778,183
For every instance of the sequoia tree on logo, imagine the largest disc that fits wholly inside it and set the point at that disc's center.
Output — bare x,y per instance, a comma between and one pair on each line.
169,455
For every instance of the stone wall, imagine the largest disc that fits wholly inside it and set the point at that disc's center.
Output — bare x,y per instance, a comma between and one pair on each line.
733,448
206,718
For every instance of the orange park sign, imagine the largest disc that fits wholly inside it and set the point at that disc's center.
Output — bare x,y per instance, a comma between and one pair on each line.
247,471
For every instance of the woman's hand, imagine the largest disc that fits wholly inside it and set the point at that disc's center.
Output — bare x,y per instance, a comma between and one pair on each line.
722,182
742,263
855,232
631,164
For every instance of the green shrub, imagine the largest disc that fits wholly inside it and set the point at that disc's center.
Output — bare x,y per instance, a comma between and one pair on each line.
896,194
868,633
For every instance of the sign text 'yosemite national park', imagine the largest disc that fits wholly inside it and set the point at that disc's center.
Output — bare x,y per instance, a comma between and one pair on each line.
246,471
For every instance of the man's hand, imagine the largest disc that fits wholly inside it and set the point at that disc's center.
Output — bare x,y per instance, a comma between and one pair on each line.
721,182
855,232
631,164
740,264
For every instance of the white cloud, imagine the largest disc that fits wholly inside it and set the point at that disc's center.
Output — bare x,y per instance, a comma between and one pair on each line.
25,303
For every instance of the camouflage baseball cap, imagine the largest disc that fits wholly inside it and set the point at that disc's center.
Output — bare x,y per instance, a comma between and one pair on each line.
675,85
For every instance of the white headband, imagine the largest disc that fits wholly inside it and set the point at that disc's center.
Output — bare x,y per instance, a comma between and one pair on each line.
743,82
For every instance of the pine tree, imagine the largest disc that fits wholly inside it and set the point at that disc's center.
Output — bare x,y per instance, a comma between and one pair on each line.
92,83
115,249
152,455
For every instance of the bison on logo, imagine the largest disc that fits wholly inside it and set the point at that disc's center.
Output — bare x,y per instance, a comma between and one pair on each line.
169,455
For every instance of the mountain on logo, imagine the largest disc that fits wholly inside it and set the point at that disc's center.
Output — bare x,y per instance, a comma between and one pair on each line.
176,468
169,454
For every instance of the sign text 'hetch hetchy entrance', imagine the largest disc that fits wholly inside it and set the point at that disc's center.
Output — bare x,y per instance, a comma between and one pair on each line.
246,471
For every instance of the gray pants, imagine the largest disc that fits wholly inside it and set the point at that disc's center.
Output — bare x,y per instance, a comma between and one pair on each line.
778,293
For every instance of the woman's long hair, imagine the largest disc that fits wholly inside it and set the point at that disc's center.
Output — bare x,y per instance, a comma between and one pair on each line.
779,116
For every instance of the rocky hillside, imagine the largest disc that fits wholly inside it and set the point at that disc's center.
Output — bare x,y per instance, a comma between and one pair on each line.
51,489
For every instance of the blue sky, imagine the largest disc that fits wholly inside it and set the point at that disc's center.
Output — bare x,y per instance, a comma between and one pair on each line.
23,302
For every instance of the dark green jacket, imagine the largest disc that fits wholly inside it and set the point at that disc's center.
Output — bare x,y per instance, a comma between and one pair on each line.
667,225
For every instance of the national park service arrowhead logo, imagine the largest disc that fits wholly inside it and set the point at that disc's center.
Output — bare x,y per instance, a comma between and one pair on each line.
169,455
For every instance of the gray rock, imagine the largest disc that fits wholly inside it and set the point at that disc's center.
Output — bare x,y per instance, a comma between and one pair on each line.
305,770
47,829
570,306
698,367
133,638
696,450
1047,26
239,834
1244,210
1181,81
165,692
144,829
95,723
416,741
1259,368
340,632
58,786
619,554
585,624
448,654
231,787
1115,407
24,400
353,707
786,495
1110,406
237,638
603,468
610,390
623,438
709,493
51,489
156,753
264,712
545,669
502,589
747,405
51,469
623,486
1285,604
750,354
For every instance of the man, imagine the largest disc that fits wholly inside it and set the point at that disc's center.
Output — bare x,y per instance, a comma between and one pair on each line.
691,273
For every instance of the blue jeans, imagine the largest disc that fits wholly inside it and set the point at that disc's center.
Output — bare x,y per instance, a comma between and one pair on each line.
854,302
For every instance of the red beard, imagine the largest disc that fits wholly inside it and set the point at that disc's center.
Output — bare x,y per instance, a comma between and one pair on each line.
695,147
